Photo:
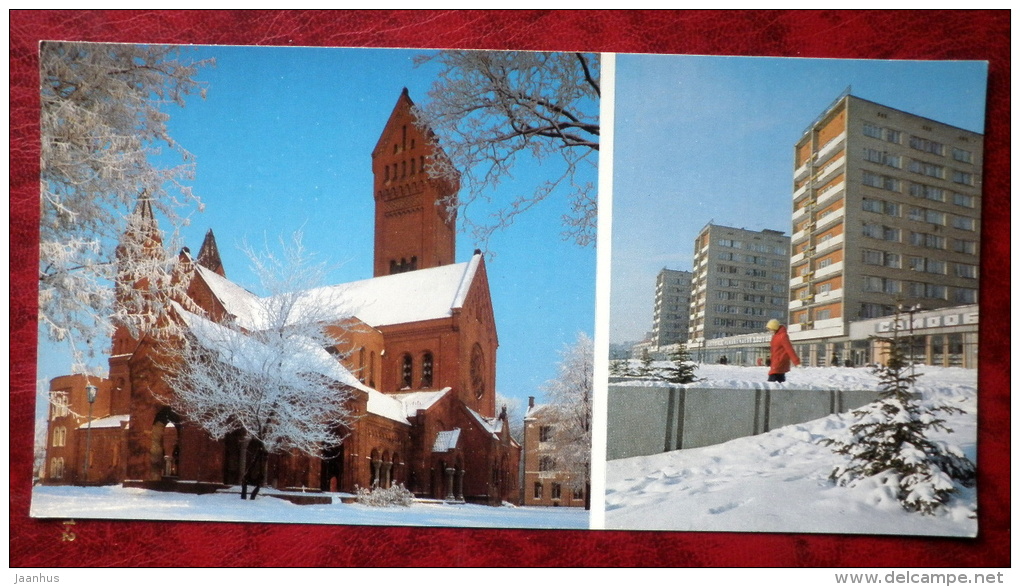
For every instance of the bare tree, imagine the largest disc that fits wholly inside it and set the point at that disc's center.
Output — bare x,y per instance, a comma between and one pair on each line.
493,108
102,120
571,397
270,376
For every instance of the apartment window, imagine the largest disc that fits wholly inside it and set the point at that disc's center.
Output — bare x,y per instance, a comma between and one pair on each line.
926,215
966,271
578,493
964,223
882,133
881,258
967,247
928,290
927,265
823,314
546,463
881,284
963,155
545,433
824,263
964,200
925,168
825,288
963,177
931,241
927,192
557,490
880,181
538,490
965,296
882,157
933,147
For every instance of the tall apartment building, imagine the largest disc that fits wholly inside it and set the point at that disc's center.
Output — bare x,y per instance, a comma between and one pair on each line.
740,282
886,214
672,307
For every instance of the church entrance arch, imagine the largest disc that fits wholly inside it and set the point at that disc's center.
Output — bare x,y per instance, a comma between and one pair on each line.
332,475
165,447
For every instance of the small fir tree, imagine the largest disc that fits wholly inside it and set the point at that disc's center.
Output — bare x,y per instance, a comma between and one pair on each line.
646,369
682,369
889,439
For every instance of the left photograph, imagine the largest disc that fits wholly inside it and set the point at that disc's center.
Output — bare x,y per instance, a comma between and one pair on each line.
316,285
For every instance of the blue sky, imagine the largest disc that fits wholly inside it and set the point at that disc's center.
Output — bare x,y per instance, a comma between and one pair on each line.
710,139
283,143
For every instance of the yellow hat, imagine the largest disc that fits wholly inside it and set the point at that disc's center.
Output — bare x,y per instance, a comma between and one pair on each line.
773,325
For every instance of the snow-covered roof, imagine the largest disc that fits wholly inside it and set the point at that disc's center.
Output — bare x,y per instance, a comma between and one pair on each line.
491,425
414,296
236,300
446,440
107,421
419,400
247,354
535,410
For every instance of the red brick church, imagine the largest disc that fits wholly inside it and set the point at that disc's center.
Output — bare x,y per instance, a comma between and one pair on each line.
420,364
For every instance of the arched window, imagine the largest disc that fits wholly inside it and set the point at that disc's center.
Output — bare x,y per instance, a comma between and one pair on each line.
406,369
371,369
361,364
59,436
478,371
426,371
57,468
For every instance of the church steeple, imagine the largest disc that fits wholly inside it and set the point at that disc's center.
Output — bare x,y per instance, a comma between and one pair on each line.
209,255
141,272
414,226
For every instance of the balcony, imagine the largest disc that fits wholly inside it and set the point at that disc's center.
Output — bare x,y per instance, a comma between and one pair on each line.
829,172
830,219
801,190
830,193
801,212
829,244
802,171
829,296
830,270
830,148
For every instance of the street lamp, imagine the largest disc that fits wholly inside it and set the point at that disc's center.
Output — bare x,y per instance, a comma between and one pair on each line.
90,393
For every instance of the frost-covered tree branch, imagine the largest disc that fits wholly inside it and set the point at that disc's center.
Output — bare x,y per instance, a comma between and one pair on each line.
271,377
493,110
103,121
571,397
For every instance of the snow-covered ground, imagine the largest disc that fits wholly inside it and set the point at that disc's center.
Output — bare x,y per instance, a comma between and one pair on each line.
778,482
116,502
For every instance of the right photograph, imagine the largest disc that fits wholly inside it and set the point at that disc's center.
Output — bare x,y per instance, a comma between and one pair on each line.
794,303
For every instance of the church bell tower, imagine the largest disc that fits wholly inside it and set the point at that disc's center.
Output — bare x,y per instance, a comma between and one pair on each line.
414,226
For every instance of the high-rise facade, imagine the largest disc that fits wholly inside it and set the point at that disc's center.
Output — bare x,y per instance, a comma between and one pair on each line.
886,215
672,307
740,281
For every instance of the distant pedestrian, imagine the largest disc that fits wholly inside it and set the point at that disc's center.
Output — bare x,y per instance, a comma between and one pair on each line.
835,360
782,352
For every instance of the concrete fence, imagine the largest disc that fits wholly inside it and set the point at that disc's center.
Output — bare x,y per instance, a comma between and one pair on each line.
646,420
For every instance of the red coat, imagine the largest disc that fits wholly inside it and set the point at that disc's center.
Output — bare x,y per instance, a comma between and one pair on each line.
782,352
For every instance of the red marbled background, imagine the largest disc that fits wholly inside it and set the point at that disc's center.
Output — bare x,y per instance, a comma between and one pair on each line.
983,35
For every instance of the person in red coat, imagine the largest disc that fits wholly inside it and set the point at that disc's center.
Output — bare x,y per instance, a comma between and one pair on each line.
782,352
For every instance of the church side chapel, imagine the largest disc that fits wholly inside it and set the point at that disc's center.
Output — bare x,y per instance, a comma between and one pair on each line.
416,352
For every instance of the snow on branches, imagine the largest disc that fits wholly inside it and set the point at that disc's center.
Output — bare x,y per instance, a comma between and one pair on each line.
493,108
889,441
270,376
102,121
570,396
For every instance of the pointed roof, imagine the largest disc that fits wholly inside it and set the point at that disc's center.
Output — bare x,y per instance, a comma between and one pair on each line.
402,109
209,255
